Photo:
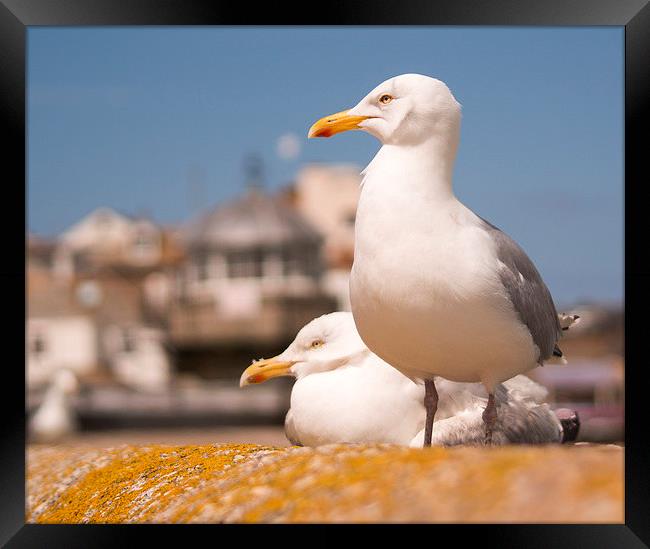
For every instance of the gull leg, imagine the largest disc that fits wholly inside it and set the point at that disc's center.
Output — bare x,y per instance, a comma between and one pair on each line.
431,405
490,418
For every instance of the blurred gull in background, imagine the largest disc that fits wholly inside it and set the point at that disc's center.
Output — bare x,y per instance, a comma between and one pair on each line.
55,418
345,393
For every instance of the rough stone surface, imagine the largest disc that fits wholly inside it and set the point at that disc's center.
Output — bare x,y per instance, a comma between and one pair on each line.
342,483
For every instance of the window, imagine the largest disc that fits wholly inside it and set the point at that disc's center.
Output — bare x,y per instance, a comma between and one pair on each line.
145,244
81,260
202,270
292,260
89,293
128,341
245,264
302,259
37,344
311,262
142,243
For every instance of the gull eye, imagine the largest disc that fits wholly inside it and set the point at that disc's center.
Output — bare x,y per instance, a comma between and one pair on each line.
385,99
316,343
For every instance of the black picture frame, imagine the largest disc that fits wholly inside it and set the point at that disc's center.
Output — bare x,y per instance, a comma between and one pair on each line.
634,15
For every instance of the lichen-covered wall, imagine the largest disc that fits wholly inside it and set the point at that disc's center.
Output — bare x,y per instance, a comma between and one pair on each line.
343,483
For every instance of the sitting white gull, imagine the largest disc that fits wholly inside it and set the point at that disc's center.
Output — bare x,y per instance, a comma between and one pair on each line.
346,394
435,289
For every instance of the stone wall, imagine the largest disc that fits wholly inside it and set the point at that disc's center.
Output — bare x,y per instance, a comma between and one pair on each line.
343,483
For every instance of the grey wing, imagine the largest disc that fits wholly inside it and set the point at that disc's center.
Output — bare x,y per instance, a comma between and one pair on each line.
517,423
528,293
529,424
290,431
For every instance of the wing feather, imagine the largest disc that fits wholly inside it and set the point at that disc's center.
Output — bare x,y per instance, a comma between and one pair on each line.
527,291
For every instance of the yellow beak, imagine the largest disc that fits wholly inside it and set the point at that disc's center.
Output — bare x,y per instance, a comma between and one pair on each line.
260,371
336,123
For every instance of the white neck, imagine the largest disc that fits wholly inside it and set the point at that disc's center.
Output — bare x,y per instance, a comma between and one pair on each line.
55,396
426,168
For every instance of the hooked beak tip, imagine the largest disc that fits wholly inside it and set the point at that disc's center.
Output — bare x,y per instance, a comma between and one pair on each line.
335,123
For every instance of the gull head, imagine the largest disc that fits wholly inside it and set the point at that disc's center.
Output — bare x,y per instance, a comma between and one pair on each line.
327,342
65,382
404,110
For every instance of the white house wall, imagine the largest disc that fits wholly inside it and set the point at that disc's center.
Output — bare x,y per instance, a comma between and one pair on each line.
69,342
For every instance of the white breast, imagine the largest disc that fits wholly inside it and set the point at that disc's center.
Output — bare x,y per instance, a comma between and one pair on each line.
371,402
424,289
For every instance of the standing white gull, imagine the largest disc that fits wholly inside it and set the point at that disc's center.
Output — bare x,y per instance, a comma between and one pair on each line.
435,289
345,393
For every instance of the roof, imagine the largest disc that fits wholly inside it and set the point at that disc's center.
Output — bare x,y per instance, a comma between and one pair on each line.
118,293
39,248
48,297
252,220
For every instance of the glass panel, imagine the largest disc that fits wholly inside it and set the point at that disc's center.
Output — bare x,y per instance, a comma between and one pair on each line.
247,264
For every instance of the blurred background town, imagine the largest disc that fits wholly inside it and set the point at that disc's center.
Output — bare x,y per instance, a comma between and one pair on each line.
157,322
180,224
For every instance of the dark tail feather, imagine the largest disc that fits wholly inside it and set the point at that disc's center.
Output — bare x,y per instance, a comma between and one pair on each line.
570,424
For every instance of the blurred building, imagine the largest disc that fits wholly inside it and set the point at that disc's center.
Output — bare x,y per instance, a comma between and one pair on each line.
593,381
158,323
251,280
40,252
90,303
106,237
146,316
327,195
60,332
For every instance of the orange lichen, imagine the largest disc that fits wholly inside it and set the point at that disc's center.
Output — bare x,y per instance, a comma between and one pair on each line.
138,481
342,483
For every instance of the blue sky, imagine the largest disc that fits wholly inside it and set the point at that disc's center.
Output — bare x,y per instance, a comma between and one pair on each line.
158,120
